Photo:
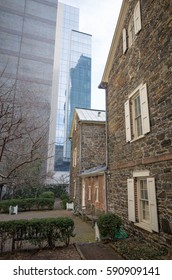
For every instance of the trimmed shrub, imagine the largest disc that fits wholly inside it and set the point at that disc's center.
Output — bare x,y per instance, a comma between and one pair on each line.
58,190
37,232
27,204
47,194
109,224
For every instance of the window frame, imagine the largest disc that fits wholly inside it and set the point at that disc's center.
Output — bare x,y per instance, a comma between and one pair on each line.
140,200
89,193
97,194
130,124
134,26
131,31
134,212
137,130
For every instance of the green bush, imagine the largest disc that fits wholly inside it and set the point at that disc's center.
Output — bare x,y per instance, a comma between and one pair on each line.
109,224
28,191
58,190
64,199
27,204
36,231
47,194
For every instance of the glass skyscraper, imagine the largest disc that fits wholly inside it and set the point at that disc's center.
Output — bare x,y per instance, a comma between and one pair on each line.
27,41
72,83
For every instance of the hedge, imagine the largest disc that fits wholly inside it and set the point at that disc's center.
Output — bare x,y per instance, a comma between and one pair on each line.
38,232
47,194
27,204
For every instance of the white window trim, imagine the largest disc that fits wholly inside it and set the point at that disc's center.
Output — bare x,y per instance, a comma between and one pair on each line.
97,194
142,89
141,173
89,192
144,224
134,91
152,205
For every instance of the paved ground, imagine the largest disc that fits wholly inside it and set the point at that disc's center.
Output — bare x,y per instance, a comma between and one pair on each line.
83,245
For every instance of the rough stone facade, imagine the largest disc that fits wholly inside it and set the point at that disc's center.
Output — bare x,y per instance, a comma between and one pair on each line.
148,61
88,141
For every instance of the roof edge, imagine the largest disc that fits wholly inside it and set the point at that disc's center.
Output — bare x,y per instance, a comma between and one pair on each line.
114,44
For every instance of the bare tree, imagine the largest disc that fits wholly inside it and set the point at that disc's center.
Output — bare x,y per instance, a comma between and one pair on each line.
23,135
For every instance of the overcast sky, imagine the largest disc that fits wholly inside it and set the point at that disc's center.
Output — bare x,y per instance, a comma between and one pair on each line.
98,18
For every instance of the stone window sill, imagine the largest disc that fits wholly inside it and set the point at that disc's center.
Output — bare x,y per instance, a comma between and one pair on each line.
143,226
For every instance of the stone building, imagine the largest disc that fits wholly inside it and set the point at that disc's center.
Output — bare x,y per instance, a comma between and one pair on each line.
88,159
138,84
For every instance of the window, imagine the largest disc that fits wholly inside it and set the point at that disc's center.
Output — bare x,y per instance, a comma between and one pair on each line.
134,27
137,122
97,194
89,192
131,32
136,109
143,201
142,209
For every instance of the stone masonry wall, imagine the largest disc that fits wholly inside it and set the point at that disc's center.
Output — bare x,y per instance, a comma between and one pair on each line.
146,61
89,141
93,150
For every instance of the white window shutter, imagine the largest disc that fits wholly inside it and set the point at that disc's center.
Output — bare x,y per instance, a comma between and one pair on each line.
137,18
124,37
127,121
144,109
131,200
152,204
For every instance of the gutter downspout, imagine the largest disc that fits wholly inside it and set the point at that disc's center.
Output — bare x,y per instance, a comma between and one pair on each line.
104,86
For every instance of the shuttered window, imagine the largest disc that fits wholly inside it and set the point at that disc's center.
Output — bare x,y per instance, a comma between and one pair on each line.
142,207
134,26
137,122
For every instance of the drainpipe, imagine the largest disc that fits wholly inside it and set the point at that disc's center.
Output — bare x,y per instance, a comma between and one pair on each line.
106,175
104,86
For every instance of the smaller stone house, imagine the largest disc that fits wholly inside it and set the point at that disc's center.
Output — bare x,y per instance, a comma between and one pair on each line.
88,160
